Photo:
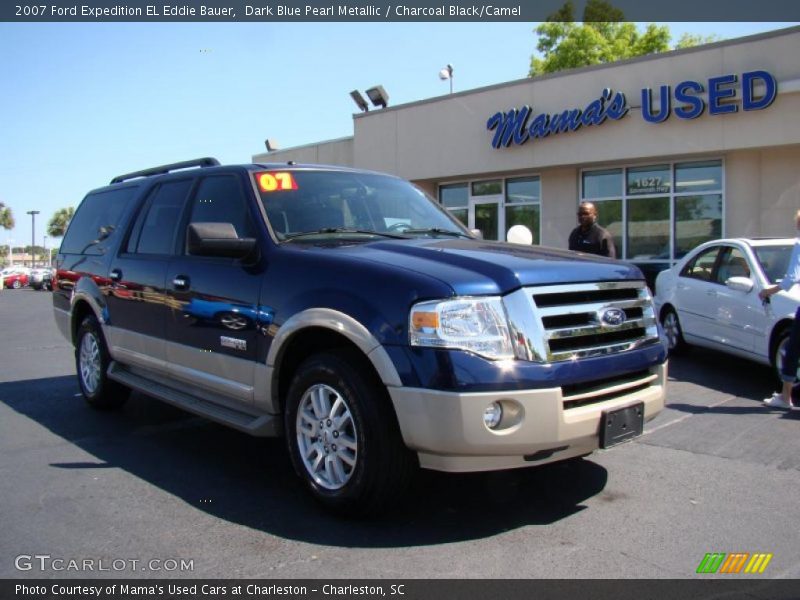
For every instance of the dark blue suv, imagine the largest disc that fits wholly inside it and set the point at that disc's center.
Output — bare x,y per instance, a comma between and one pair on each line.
349,312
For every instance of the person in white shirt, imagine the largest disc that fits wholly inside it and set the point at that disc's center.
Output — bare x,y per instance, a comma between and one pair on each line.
783,399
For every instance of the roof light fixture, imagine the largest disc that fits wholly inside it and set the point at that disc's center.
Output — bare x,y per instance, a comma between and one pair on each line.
378,96
359,100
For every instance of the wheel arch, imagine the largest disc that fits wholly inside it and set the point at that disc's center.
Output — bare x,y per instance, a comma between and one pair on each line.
82,308
777,332
318,330
666,307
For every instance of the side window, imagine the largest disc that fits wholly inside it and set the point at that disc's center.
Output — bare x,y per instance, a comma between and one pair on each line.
702,266
733,263
96,221
220,199
154,230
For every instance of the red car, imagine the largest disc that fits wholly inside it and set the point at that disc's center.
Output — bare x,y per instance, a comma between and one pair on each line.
15,280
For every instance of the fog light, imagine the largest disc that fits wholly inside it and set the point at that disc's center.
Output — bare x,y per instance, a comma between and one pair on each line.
492,415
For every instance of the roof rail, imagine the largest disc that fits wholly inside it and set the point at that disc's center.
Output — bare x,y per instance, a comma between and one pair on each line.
197,162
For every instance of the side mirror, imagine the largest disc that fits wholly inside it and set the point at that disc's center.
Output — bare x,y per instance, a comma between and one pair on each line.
218,239
740,284
477,233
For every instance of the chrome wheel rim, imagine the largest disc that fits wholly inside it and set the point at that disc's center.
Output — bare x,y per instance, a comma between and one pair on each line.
326,437
672,329
89,359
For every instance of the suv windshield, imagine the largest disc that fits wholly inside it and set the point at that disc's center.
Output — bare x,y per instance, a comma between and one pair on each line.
331,203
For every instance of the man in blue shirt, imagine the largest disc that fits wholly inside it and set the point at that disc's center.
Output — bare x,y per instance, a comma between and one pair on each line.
783,399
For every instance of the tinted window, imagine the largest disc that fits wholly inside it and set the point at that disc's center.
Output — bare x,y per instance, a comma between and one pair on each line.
96,221
454,196
220,199
649,180
698,176
487,188
154,231
602,184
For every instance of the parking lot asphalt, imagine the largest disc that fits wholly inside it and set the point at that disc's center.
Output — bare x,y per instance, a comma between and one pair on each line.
150,486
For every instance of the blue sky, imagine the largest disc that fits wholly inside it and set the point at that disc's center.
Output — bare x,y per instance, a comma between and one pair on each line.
83,102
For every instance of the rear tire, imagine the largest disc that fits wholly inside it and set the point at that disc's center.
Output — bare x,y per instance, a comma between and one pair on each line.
343,436
91,362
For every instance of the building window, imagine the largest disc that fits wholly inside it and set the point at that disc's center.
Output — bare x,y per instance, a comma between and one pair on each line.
455,198
658,213
495,205
487,188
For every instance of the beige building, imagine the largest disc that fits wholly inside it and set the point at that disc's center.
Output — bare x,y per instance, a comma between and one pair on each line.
701,143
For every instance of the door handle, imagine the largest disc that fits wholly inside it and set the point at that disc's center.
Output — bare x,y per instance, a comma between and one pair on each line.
180,282
115,275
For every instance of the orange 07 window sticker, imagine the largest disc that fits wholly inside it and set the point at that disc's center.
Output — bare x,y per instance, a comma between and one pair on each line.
276,181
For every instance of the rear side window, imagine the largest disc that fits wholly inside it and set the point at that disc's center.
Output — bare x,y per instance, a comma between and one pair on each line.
96,221
154,230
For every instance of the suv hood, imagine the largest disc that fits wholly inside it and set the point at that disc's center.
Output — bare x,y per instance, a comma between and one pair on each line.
477,267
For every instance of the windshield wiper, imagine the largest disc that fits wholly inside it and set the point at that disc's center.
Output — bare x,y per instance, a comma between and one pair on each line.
345,230
437,231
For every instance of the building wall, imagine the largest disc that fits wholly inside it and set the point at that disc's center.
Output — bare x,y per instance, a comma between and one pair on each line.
445,140
447,137
333,152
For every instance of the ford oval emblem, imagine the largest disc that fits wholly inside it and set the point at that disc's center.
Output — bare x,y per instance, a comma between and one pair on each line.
613,317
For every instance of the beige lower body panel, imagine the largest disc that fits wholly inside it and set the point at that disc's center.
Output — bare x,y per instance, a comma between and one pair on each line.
447,430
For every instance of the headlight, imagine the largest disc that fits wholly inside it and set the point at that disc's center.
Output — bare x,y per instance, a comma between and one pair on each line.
475,324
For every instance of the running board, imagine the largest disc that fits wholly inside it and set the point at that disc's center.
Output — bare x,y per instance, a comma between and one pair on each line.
256,425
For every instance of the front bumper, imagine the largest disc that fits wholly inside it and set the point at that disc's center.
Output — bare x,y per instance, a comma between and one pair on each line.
447,430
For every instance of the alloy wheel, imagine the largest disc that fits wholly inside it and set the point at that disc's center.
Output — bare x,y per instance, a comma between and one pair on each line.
90,364
326,437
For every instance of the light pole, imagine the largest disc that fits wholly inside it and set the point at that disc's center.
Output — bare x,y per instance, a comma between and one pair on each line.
33,214
447,73
45,249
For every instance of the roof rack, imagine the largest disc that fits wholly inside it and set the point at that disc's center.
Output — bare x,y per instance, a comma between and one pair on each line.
197,162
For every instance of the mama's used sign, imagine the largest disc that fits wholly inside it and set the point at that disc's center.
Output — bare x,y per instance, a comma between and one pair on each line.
519,125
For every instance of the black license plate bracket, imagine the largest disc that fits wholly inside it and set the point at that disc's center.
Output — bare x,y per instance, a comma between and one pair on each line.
621,425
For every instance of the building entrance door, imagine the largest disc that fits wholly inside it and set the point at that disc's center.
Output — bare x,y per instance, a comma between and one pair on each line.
485,215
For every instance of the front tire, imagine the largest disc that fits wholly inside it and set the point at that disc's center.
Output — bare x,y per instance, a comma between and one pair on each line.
91,362
343,436
781,340
672,329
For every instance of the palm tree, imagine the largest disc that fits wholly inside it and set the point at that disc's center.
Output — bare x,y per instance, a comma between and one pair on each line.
6,217
59,221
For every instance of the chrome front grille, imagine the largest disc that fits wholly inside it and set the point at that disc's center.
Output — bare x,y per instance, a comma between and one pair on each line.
568,322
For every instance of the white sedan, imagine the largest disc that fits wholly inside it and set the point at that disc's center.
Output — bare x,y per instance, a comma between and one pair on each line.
710,298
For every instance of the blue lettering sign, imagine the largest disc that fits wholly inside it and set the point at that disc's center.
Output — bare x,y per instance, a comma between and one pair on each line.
748,81
514,127
693,106
509,126
717,92
663,101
